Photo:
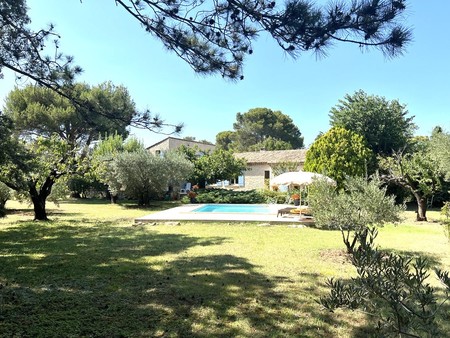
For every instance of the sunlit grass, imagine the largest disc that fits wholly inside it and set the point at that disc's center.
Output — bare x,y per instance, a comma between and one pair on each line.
91,272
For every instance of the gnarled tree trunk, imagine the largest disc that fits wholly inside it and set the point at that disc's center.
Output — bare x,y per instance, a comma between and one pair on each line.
421,208
39,197
113,197
40,214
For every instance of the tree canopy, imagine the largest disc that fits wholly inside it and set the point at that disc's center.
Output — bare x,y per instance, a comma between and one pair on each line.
22,49
145,176
360,205
29,53
52,140
261,128
5,139
418,172
383,123
440,150
339,153
41,111
215,36
212,166
103,156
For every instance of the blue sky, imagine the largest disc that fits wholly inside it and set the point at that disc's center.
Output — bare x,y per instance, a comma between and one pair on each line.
109,45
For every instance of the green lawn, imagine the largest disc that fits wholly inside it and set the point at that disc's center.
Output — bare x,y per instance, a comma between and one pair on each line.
90,272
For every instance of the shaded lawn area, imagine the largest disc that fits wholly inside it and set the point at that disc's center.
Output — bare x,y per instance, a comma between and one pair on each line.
90,273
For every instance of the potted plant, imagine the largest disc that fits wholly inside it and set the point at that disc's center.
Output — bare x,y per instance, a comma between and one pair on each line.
296,198
192,196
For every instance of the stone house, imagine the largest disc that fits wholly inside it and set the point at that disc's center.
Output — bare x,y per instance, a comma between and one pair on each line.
260,163
172,143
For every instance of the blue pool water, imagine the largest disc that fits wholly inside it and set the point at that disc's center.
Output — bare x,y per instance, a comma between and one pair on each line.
244,208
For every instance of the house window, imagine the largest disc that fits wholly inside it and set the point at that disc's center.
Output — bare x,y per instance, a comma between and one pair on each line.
266,174
237,181
157,152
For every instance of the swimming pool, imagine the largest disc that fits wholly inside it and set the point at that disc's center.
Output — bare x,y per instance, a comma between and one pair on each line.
235,208
265,213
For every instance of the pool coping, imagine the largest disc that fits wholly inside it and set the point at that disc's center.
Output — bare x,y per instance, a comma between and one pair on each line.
185,213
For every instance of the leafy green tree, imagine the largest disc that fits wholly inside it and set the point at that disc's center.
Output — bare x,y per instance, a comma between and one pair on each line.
5,194
144,176
225,139
440,150
339,153
218,165
13,157
261,128
52,139
80,186
5,138
212,166
353,210
36,169
383,123
271,143
418,172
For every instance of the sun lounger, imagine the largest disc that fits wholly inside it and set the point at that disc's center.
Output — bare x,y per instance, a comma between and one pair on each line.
284,211
301,210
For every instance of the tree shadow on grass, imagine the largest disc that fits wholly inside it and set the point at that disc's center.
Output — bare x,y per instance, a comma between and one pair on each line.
104,281
29,213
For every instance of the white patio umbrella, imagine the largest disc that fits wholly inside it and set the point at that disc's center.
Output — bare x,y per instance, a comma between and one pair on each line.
300,178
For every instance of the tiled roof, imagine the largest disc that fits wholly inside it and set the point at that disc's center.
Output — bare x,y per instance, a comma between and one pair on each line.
180,139
274,156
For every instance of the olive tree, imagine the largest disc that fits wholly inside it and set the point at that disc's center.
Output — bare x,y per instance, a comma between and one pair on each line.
103,157
417,172
393,290
353,210
144,176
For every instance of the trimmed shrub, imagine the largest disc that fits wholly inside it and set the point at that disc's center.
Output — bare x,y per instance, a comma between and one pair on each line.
276,197
230,196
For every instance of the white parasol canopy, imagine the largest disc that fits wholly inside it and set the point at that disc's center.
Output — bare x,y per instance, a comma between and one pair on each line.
300,178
